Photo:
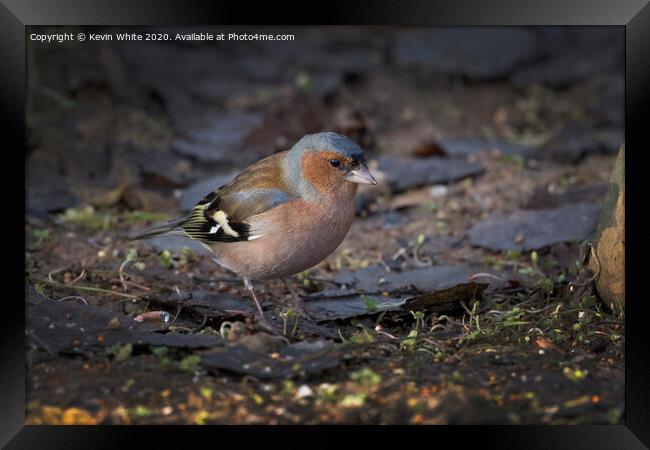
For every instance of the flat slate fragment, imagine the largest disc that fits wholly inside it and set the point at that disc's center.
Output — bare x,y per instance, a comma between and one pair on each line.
375,279
163,170
361,305
466,147
439,245
406,173
213,304
199,151
191,195
433,288
569,66
586,193
291,361
351,306
48,194
77,328
176,340
477,53
532,230
445,299
577,140
217,138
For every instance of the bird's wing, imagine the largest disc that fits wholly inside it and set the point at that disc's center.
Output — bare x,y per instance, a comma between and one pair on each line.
221,216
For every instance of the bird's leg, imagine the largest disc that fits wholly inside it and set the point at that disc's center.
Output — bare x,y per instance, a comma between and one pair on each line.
249,286
263,323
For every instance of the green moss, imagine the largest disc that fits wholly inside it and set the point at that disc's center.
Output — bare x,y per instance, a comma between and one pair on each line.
190,363
42,235
120,352
87,217
366,377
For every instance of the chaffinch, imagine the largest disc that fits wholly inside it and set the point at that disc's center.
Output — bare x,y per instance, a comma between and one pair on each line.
281,215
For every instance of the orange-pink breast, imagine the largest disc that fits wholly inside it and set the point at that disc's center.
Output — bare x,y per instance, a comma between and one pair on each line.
294,237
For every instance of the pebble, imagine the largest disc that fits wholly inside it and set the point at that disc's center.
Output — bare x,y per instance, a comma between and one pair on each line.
304,391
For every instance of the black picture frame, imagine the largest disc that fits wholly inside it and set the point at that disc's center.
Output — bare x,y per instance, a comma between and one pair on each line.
634,15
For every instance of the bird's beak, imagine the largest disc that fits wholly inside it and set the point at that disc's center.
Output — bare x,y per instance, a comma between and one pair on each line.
361,176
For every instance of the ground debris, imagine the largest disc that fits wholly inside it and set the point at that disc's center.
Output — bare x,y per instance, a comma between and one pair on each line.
407,322
216,139
71,328
465,147
403,173
292,361
469,52
175,244
568,56
549,196
531,230
375,290
578,139
203,302
376,279
351,306
51,194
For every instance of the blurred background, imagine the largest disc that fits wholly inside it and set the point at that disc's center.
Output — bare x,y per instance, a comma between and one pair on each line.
158,117
450,300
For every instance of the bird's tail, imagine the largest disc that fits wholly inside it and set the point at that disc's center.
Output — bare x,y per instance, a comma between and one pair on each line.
171,226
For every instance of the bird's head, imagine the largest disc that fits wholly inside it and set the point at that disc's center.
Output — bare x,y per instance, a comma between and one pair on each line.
330,162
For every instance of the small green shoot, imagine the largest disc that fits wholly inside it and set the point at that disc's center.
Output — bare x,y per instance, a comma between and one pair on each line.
87,217
353,401
206,393
370,303
132,255
42,235
190,363
456,377
120,352
303,277
366,377
410,342
166,259
303,80
141,412
419,320
575,375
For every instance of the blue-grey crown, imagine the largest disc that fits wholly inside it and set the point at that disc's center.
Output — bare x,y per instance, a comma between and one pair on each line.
329,141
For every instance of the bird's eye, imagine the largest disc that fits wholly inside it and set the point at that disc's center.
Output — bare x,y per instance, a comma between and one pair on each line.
335,163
